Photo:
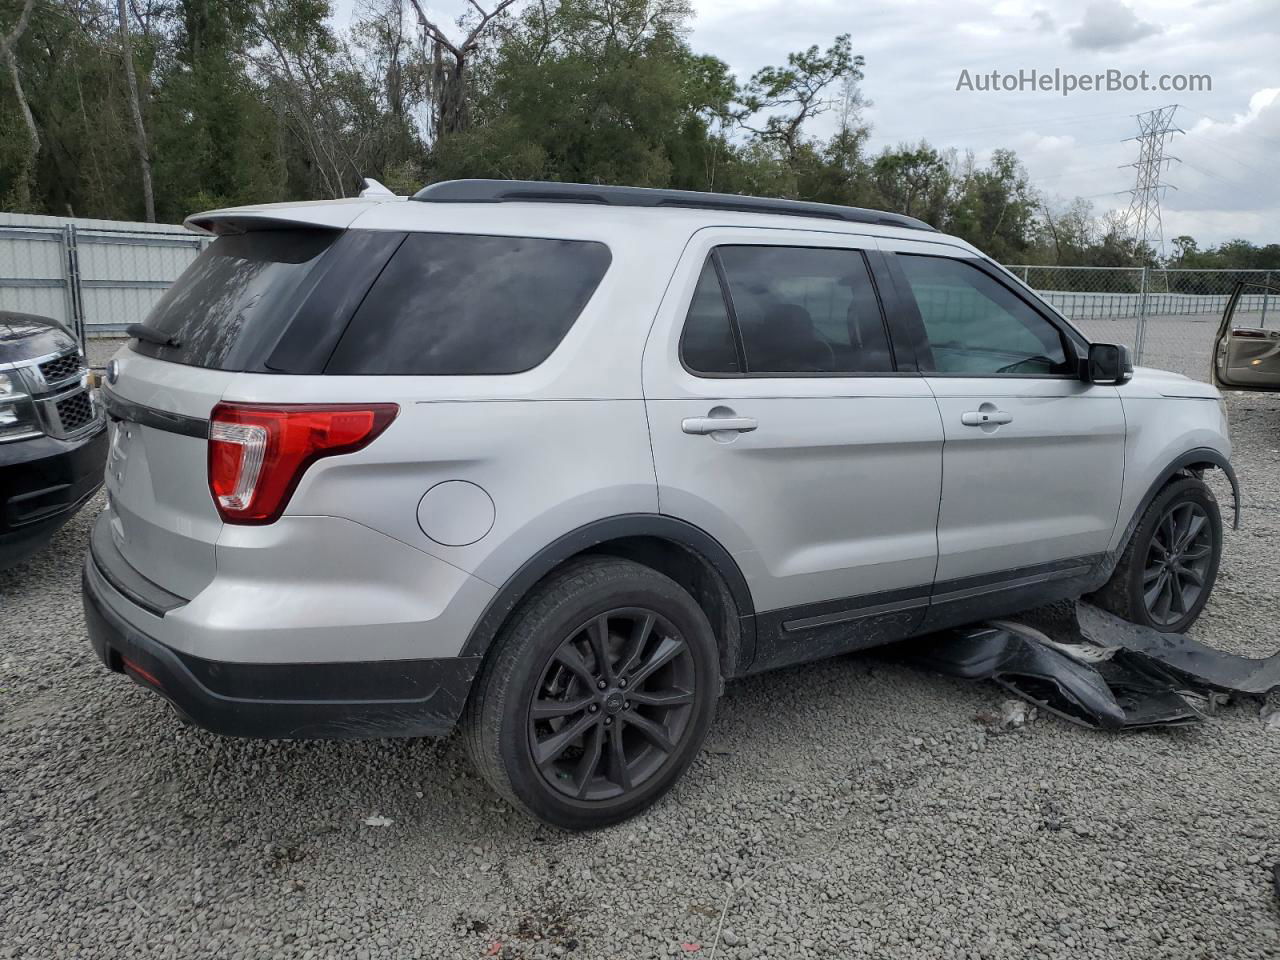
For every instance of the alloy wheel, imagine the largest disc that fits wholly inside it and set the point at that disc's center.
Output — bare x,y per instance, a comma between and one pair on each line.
1178,561
613,704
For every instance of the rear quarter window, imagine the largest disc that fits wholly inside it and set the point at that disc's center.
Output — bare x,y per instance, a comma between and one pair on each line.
460,304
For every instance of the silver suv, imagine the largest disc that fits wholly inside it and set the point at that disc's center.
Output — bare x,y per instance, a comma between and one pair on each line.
553,461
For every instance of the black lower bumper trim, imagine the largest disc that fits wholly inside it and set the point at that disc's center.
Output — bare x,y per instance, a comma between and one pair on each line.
43,483
370,699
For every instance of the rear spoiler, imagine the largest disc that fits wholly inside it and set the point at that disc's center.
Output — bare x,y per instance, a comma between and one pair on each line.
314,215
220,225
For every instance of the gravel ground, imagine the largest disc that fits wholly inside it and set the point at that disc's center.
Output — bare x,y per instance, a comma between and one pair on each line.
846,808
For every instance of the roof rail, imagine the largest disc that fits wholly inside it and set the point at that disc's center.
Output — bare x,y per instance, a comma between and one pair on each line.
541,191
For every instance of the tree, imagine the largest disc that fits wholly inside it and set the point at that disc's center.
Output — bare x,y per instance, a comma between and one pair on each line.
994,207
912,180
797,91
450,78
222,102
135,108
7,44
601,93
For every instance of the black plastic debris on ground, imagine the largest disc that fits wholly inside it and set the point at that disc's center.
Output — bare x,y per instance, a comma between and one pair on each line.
1196,662
1092,668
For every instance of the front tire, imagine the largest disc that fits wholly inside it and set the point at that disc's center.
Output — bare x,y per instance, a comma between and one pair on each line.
1168,568
597,695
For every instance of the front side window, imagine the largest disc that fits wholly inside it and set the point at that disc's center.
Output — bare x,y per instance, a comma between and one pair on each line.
976,325
462,304
798,310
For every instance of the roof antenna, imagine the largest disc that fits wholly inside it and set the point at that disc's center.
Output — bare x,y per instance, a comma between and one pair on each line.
372,188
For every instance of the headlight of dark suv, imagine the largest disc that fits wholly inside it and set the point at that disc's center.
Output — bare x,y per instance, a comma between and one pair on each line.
17,412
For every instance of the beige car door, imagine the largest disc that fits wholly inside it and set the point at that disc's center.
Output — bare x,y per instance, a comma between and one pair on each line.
1246,351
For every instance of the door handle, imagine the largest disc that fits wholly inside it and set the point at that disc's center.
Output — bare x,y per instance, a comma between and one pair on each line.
702,426
983,418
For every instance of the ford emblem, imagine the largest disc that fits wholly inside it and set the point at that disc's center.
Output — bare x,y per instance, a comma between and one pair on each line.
113,371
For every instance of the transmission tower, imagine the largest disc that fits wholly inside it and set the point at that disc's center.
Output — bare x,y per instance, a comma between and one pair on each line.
1155,129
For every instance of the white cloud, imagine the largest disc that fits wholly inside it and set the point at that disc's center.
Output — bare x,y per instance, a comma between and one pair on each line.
1110,25
1044,21
1225,178
1035,143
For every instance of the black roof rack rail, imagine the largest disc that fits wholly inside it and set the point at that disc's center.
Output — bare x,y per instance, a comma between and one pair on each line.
540,191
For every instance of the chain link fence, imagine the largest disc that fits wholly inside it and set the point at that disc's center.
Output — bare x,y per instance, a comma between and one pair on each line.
99,276
96,277
1168,318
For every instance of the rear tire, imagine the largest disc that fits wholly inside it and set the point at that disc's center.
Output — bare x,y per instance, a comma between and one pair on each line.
1167,571
596,696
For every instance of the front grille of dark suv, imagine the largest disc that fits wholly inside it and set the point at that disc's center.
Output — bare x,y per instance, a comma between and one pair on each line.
75,412
62,368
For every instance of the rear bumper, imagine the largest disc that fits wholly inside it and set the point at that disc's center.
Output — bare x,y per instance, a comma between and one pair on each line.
363,699
43,482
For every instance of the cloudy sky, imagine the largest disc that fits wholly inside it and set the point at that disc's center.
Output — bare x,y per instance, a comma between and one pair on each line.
915,50
1073,146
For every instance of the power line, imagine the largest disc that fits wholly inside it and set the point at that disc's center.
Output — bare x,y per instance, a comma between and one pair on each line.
1073,173
1235,129
1234,159
1014,125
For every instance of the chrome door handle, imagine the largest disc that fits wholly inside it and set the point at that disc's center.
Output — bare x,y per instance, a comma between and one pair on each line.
702,426
983,418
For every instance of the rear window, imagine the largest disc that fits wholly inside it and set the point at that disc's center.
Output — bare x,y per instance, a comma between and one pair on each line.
460,304
232,304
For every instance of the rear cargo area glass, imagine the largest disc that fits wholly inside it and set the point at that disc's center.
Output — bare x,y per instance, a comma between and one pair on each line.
454,304
232,304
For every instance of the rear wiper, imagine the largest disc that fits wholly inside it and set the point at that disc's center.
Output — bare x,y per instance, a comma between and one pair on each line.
140,331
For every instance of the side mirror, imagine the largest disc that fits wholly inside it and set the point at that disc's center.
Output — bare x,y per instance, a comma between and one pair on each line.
1108,363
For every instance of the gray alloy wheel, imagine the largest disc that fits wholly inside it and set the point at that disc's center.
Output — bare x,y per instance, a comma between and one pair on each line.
1179,555
612,704
597,694
1166,573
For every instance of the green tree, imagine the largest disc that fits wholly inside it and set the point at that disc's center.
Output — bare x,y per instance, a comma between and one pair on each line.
792,95
581,91
915,180
994,208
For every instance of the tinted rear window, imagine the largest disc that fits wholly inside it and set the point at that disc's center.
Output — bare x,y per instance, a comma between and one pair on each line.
457,304
232,304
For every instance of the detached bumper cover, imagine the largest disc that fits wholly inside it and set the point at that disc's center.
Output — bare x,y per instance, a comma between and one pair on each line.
365,699
1092,668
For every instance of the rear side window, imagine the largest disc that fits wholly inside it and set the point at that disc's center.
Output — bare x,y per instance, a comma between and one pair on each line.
805,310
706,345
459,304
234,301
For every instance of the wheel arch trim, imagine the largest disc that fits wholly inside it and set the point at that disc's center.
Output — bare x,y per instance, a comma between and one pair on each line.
1185,460
597,533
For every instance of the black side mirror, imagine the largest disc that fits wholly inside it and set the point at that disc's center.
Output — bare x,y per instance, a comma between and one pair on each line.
1108,363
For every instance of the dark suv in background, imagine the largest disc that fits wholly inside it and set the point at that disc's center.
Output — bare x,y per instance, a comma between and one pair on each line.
53,440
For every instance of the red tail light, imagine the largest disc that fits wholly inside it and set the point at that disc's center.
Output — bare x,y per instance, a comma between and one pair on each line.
258,453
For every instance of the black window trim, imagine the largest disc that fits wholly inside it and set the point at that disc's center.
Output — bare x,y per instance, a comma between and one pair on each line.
873,271
1077,345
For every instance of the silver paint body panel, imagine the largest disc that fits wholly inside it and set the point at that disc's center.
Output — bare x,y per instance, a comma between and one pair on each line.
848,485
